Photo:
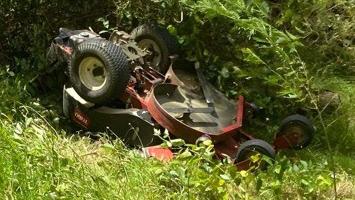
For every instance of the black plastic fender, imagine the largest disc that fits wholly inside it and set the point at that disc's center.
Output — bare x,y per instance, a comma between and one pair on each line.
133,126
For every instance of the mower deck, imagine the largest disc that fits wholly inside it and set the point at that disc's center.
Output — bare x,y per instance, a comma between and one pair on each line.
194,112
181,107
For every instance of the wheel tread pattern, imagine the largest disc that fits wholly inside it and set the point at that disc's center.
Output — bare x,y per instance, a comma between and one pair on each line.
165,40
116,64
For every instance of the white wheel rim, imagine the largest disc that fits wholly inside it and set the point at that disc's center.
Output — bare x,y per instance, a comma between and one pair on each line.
153,47
92,73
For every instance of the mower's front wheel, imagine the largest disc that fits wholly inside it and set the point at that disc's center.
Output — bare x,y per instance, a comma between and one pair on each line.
99,71
250,154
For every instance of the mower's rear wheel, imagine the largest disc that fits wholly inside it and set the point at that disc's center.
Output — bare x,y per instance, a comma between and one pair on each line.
252,151
297,130
159,42
99,71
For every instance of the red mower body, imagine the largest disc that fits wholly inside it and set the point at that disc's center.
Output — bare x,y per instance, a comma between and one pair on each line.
180,101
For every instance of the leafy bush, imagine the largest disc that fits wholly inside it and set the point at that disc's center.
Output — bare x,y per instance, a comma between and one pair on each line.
281,54
234,39
327,29
266,50
27,27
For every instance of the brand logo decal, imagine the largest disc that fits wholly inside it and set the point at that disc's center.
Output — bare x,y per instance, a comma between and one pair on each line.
81,119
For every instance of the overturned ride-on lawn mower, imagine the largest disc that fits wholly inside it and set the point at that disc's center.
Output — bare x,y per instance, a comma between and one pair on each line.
129,86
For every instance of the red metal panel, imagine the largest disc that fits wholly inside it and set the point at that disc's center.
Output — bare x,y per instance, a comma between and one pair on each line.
232,129
158,152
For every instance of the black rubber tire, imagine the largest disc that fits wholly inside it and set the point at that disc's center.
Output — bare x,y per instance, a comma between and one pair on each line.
116,66
301,121
167,44
254,145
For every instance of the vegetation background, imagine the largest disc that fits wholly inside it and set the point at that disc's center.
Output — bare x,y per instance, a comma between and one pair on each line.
287,56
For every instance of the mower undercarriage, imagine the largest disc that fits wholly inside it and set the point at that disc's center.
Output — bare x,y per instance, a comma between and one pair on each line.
126,87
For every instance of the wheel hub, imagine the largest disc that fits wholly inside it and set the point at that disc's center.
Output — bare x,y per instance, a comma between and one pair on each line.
156,54
295,135
92,73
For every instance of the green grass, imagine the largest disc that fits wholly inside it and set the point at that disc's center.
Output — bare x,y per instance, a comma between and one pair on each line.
41,160
40,164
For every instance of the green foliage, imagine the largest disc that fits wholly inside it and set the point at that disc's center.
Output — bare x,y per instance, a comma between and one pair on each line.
327,30
281,54
234,38
266,50
27,27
